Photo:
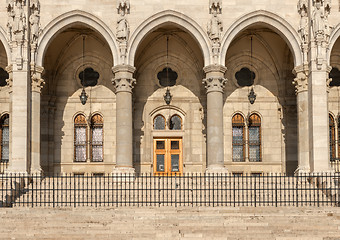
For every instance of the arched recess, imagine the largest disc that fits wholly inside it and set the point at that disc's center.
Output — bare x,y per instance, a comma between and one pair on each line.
270,20
163,18
3,40
332,40
72,18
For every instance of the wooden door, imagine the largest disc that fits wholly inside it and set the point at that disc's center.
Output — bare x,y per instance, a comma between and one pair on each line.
168,156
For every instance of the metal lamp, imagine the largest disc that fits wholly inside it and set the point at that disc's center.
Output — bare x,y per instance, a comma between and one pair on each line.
252,96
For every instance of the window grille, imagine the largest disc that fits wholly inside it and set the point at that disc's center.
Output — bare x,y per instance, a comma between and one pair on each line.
5,138
175,123
159,123
80,136
254,138
97,138
238,138
332,143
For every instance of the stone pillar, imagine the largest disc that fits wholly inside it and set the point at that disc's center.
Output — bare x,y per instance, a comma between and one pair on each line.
215,82
301,89
20,119
317,90
37,84
9,81
123,82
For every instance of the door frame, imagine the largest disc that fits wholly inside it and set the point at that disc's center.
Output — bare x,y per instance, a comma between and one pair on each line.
167,152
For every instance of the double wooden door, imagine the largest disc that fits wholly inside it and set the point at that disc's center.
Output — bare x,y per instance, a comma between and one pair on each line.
167,156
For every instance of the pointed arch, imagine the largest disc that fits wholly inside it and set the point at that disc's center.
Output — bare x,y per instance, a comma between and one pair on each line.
332,39
68,19
4,41
272,21
161,18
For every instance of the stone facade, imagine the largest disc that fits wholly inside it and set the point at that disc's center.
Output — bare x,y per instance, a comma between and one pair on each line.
290,47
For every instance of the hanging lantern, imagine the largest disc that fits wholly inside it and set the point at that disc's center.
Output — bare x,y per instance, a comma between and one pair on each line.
83,97
252,96
167,96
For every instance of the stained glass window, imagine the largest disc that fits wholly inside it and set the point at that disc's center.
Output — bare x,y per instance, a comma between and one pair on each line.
175,123
80,135
238,138
254,135
159,123
97,138
331,138
5,138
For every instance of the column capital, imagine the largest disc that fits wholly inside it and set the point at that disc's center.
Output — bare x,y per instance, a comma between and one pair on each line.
123,78
301,80
214,84
214,81
9,81
37,82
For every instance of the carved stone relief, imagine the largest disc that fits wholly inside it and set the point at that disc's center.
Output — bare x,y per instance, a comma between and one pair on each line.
215,27
303,28
35,22
16,26
123,29
321,29
215,6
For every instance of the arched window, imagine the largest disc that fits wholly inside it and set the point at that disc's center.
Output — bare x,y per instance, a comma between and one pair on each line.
175,123
331,138
4,121
159,123
238,138
254,138
80,136
97,138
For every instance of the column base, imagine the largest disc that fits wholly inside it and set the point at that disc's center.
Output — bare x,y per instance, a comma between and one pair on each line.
123,174
302,171
216,170
37,172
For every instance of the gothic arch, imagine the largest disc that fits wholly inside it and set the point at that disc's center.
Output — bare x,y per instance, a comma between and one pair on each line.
67,19
164,17
332,39
272,21
3,40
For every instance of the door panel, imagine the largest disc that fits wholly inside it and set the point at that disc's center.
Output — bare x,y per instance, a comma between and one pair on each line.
168,156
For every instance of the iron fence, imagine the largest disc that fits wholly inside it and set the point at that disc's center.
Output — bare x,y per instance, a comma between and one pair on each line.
335,163
186,190
3,165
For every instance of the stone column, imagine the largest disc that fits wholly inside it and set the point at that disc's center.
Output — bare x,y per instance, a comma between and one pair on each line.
301,89
37,85
123,82
215,82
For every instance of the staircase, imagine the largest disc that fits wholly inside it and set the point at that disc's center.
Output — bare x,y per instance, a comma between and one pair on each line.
171,223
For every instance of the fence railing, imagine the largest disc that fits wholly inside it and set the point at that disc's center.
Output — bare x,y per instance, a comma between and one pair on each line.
187,190
335,163
3,165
